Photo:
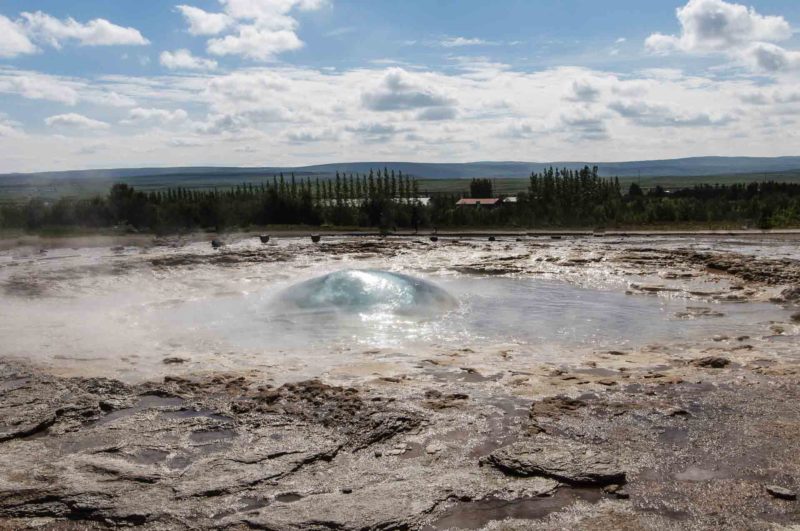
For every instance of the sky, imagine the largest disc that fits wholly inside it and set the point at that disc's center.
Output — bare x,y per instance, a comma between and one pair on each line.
99,84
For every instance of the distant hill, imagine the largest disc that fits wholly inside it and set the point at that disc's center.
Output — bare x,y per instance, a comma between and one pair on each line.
691,166
676,172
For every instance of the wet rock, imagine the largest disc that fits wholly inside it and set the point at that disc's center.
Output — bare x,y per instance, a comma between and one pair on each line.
174,360
796,317
711,362
781,492
791,294
618,491
696,312
224,259
750,268
435,448
438,400
555,406
216,244
563,460
677,412
777,329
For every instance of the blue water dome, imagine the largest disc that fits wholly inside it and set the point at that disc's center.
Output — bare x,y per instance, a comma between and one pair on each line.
368,290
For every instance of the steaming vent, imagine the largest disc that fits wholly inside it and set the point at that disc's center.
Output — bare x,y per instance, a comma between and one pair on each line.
362,290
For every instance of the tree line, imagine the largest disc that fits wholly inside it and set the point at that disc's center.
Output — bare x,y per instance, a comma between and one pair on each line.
390,200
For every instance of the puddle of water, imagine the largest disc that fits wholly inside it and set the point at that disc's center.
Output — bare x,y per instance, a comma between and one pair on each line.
476,514
252,504
195,413
144,403
289,497
212,436
674,436
694,473
150,456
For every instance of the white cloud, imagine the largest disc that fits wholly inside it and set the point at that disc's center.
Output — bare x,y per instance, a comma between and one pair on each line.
270,13
297,115
583,90
454,42
248,122
769,57
519,129
253,42
258,29
184,60
304,136
771,97
10,129
437,113
657,114
107,98
244,89
741,33
399,90
13,40
75,121
204,23
92,149
716,25
162,116
98,32
585,123
376,132
186,142
35,86
69,91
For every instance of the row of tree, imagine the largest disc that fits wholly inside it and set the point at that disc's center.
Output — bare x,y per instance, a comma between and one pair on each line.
389,200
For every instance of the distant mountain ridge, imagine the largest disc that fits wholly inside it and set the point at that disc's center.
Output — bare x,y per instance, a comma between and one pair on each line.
690,166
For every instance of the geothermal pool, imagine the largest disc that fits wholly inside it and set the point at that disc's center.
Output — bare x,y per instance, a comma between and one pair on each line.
112,313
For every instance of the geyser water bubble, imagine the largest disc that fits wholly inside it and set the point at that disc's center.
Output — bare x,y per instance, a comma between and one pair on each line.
360,290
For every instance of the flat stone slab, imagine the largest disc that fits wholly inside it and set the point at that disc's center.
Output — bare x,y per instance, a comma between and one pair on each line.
781,492
562,460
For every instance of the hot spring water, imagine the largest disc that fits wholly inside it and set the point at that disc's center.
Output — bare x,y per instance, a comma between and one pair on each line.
358,290
232,319
324,319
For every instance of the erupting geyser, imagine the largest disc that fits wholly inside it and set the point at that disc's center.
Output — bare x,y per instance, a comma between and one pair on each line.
359,290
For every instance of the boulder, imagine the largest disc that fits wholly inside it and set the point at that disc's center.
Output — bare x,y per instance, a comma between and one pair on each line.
711,362
781,492
565,461
791,294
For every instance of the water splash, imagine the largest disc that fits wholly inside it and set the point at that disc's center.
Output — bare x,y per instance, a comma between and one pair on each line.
362,290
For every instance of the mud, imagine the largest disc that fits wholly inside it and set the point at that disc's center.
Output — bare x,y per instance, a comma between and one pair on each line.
676,435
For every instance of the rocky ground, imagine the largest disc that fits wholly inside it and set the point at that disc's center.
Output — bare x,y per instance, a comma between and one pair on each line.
672,436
